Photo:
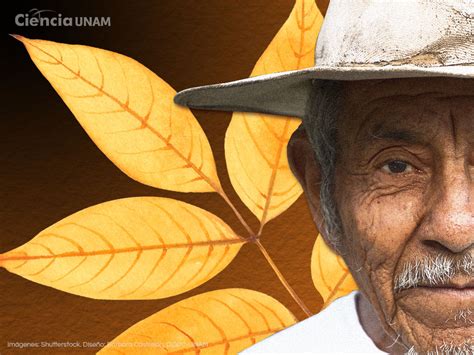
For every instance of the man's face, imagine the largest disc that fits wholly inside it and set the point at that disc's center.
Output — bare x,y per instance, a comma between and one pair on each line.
404,189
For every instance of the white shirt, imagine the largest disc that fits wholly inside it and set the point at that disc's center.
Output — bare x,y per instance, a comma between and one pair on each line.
336,329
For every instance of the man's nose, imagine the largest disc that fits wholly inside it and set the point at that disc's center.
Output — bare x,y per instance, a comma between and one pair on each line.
449,224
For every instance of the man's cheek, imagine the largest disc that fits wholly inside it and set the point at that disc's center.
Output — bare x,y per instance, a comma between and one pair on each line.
384,224
379,229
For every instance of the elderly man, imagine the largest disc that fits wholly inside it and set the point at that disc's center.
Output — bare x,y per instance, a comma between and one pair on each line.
386,158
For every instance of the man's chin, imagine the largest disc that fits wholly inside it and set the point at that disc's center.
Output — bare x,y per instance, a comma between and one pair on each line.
438,319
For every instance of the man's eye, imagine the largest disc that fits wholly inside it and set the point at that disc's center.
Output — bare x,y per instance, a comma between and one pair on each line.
397,167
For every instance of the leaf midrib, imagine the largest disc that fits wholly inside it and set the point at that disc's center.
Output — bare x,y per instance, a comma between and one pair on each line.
205,243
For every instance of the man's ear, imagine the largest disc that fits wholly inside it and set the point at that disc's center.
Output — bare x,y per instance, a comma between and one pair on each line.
307,171
305,167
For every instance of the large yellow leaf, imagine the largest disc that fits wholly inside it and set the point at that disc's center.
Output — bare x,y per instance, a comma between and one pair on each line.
331,277
255,144
128,111
133,248
217,322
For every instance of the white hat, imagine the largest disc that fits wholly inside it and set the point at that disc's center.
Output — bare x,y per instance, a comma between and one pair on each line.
359,39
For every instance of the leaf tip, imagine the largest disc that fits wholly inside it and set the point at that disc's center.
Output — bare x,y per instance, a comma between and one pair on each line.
18,37
2,263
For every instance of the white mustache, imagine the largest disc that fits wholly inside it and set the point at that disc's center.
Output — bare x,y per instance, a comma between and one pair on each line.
433,271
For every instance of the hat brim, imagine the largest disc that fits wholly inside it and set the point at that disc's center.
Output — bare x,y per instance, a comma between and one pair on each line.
285,93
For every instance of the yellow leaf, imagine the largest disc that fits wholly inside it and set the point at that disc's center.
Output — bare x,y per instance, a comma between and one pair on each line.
132,248
255,144
128,112
217,322
331,277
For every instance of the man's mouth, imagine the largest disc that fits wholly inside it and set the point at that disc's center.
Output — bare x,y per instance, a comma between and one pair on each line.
458,283
458,288
455,292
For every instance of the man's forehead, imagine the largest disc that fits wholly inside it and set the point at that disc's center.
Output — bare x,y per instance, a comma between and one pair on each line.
410,110
414,125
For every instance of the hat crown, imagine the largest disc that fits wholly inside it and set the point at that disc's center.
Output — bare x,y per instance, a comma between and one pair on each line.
397,32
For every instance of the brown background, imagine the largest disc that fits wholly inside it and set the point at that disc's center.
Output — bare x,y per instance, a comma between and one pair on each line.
49,168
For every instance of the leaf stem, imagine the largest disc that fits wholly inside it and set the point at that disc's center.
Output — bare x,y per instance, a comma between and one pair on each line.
282,279
256,239
237,213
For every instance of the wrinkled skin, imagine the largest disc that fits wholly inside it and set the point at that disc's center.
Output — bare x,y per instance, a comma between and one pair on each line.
404,189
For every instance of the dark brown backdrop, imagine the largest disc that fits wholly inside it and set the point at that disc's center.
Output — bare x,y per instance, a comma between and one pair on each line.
49,168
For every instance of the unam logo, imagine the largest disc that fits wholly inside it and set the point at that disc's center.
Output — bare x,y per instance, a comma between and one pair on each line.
35,18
